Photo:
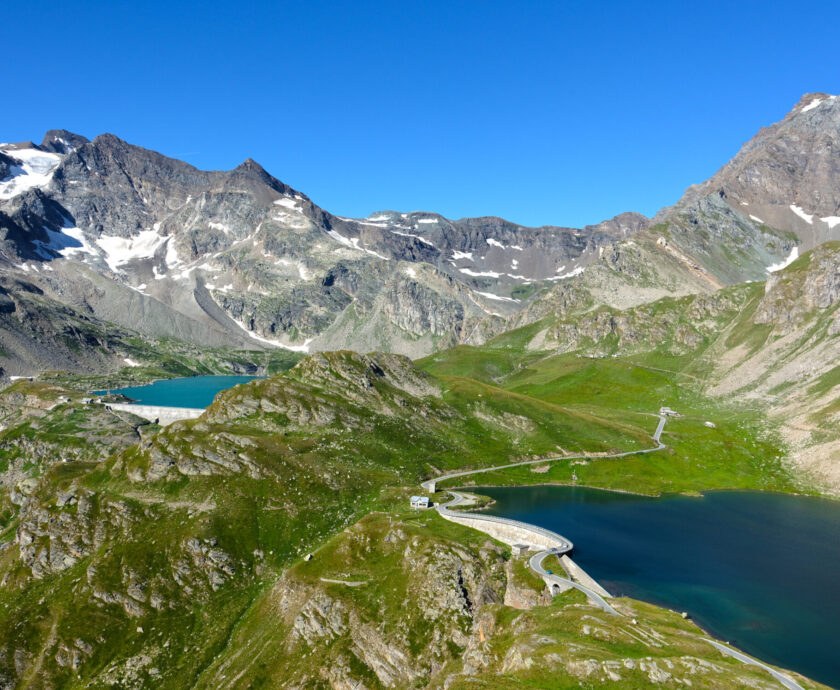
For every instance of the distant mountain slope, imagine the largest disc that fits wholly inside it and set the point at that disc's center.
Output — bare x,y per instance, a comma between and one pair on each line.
773,346
776,199
238,258
123,235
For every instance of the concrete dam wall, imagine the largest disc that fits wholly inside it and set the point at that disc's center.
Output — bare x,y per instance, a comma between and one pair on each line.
156,413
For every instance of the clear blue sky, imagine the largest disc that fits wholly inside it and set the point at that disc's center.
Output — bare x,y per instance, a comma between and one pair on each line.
563,112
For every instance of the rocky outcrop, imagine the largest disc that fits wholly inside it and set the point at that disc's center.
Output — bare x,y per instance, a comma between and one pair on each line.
785,176
52,538
677,328
791,296
318,389
520,596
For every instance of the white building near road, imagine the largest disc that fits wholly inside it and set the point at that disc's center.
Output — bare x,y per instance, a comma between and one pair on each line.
419,502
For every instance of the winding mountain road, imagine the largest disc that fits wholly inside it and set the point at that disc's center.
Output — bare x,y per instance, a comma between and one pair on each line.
563,545
431,484
537,566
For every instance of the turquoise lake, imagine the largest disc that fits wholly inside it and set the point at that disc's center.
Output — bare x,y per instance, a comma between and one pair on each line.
193,391
759,570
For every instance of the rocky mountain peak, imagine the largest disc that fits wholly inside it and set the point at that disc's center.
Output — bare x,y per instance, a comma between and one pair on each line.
785,177
809,101
251,170
62,141
250,165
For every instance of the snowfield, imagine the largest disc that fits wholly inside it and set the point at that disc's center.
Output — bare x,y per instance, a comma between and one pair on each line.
35,170
122,250
793,256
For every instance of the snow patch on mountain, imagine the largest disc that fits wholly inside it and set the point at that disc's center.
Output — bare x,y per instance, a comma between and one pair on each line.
793,256
122,250
456,255
172,259
817,101
490,295
363,222
482,307
66,242
571,274
269,341
808,218
35,169
216,226
417,237
288,203
353,243
831,221
479,274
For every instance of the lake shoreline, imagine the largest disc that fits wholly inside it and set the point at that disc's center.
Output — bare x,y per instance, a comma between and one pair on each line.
198,391
690,494
716,560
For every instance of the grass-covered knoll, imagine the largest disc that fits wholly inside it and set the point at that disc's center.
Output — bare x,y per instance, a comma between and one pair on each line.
404,421
741,450
406,599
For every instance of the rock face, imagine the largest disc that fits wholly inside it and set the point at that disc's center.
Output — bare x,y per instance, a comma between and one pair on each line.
786,175
792,295
124,235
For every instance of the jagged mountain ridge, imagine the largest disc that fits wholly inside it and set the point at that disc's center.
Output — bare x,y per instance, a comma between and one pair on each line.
121,234
774,200
238,258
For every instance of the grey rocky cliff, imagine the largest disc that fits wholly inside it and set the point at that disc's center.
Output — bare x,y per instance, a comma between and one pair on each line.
792,296
786,175
237,258
124,235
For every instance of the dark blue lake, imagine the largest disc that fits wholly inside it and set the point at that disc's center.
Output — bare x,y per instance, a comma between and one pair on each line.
193,391
760,570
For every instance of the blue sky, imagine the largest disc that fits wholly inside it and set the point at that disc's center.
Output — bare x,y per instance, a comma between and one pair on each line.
563,112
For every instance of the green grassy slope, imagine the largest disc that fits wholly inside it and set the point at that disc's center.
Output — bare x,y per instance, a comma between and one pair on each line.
403,599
